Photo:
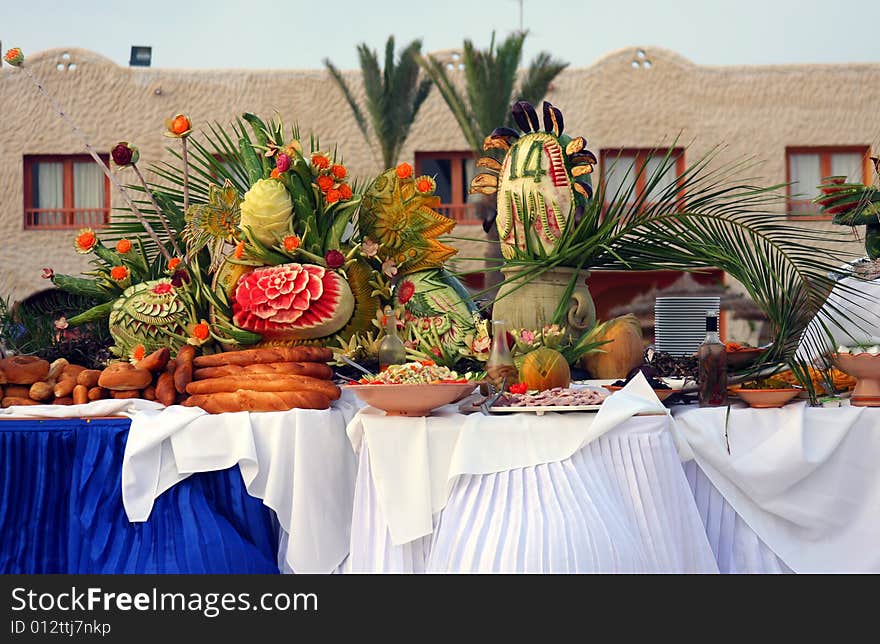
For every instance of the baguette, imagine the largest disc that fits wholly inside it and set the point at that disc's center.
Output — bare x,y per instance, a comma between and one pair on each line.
255,401
184,367
156,361
89,378
15,401
267,382
125,394
65,385
312,369
98,393
258,356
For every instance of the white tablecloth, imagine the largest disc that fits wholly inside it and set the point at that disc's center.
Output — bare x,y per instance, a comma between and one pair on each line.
562,493
805,480
298,462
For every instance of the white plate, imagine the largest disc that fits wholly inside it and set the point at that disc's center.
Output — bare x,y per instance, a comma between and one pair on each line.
540,411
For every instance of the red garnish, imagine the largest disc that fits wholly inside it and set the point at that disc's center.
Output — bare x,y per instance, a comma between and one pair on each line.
518,388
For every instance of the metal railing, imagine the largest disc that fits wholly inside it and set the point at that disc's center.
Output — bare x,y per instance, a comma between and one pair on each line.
65,218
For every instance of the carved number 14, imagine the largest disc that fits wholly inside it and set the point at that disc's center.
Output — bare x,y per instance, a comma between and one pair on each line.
532,166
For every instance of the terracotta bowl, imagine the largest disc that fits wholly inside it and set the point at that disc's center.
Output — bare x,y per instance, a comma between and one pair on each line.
743,358
765,398
866,369
411,400
662,394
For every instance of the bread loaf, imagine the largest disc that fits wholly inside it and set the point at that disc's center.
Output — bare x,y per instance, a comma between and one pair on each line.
72,370
264,382
125,394
258,356
24,370
150,392
65,385
41,392
65,400
184,367
255,401
18,391
311,369
16,401
156,361
124,376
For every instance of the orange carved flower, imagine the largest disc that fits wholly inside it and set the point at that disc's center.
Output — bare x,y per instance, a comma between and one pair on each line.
202,331
339,171
138,353
238,253
333,195
119,273
178,126
345,191
123,246
86,240
291,242
275,174
404,171
14,57
173,263
425,185
320,161
325,182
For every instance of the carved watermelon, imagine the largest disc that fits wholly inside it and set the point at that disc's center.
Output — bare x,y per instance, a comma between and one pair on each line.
292,302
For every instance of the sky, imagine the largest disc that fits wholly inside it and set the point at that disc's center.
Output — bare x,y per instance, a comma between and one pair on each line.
292,34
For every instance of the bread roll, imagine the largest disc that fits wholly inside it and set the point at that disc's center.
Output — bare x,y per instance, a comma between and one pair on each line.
65,385
24,370
18,391
264,382
248,400
65,400
80,395
258,356
150,392
73,370
156,361
165,391
88,377
98,393
124,376
311,369
41,392
184,368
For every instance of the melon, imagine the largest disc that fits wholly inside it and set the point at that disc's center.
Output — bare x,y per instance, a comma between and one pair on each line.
544,369
623,352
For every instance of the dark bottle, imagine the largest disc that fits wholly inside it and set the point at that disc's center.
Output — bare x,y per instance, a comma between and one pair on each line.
713,366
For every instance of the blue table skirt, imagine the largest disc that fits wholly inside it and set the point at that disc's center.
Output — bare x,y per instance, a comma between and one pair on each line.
61,509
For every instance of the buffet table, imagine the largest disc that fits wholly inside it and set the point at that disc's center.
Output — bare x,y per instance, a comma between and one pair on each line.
598,492
61,509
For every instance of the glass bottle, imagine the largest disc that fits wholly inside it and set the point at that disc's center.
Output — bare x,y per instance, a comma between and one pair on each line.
500,364
391,349
713,366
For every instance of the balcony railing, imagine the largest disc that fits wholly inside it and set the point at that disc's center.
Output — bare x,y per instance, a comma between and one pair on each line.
805,209
465,214
65,218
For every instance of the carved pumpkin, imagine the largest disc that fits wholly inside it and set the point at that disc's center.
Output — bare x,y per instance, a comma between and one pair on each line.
545,369
623,353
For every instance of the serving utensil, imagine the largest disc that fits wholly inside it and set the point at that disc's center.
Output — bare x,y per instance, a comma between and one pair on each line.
487,404
354,364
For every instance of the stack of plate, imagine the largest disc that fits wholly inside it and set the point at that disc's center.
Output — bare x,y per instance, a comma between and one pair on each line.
680,323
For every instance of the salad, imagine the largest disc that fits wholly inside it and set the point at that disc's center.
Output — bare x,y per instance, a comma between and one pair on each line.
425,372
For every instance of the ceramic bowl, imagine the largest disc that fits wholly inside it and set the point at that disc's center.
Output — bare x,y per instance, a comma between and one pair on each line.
412,400
866,369
743,358
765,398
662,394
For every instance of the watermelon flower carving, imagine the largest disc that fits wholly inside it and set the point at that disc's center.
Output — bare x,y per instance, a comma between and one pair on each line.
292,302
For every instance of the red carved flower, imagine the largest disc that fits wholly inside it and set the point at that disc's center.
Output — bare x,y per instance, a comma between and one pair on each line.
405,291
163,288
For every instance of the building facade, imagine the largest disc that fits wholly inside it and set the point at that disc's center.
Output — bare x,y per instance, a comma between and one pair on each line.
800,122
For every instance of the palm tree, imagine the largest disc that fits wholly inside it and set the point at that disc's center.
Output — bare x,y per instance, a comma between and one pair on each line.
393,96
490,85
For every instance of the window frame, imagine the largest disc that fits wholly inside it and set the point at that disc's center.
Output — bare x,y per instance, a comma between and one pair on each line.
641,156
67,161
824,152
460,211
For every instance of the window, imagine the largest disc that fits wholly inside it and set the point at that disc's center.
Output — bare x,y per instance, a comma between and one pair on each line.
620,167
806,167
453,172
65,191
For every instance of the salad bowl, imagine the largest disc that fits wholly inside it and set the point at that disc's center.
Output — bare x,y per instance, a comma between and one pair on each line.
412,400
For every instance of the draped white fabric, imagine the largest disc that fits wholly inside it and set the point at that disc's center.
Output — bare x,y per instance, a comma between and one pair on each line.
736,546
416,461
299,462
88,191
620,504
804,479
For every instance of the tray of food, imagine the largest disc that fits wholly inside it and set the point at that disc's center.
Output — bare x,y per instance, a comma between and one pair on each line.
556,400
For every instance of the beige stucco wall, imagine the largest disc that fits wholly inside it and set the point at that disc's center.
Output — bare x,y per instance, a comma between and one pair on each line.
753,111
